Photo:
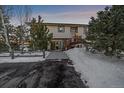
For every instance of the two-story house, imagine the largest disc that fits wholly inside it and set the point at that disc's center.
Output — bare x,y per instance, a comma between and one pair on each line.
66,35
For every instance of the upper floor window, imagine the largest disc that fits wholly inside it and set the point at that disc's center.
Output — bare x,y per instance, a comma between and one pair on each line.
74,29
61,29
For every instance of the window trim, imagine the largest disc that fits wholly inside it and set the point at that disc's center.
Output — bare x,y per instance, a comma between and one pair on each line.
61,31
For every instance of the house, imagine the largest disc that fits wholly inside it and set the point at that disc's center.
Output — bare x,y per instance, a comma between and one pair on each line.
66,35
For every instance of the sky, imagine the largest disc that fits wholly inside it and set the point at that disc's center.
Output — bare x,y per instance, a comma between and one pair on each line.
78,14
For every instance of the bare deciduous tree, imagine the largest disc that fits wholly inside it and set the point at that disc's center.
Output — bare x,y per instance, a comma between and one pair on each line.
4,17
23,14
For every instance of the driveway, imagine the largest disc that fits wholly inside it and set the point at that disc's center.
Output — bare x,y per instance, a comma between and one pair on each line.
57,55
45,74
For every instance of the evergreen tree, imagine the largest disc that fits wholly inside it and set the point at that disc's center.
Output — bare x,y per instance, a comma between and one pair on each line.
106,32
40,36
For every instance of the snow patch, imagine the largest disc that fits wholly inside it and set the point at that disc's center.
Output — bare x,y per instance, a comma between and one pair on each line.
96,69
22,59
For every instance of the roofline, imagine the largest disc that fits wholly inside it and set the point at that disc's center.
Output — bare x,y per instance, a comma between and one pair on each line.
69,24
65,24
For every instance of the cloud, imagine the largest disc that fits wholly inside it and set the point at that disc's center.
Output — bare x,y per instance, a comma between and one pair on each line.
78,17
64,17
76,14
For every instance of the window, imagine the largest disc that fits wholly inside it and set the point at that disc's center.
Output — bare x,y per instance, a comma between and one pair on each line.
61,29
74,29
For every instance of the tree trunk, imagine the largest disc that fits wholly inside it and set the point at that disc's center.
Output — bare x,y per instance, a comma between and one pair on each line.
22,38
86,46
12,54
43,53
108,51
5,34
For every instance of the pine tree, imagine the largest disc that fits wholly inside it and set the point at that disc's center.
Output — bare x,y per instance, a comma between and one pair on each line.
106,32
40,35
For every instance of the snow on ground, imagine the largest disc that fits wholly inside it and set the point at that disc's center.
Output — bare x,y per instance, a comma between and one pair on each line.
97,69
19,54
21,59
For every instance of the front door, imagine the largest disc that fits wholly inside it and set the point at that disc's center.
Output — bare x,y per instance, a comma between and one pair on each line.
57,45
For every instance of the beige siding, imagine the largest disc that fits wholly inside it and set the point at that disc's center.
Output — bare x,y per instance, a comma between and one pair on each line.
81,32
67,33
56,34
